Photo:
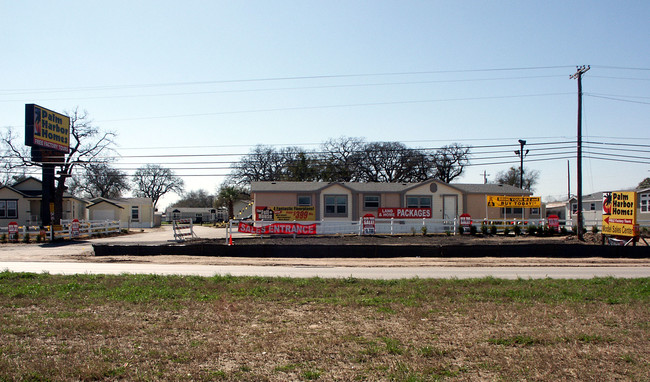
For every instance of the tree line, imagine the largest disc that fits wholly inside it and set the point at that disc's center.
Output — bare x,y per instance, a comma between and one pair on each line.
350,160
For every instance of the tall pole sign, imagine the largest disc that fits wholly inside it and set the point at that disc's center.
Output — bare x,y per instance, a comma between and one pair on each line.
48,134
578,75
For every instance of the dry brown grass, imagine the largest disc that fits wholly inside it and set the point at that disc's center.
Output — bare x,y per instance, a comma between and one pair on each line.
258,329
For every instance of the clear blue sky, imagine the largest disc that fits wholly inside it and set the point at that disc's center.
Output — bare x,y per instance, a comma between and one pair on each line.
217,77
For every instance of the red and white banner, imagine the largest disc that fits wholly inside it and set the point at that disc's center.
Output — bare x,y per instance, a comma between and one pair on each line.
279,229
404,213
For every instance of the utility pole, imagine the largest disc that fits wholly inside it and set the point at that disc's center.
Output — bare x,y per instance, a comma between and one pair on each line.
568,181
485,175
521,154
578,75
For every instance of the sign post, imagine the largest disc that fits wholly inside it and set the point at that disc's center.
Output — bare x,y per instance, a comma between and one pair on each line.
48,134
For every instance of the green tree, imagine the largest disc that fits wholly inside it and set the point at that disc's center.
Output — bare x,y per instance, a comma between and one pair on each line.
228,195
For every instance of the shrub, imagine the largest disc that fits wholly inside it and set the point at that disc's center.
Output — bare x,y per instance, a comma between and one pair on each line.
493,230
26,237
484,229
39,238
472,230
564,231
3,238
594,229
506,231
517,230
551,231
424,230
448,233
531,230
461,230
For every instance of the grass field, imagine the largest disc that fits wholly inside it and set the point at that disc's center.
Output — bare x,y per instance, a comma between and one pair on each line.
132,327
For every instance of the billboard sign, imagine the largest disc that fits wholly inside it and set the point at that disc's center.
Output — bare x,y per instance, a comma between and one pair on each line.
47,129
404,213
502,201
619,213
287,214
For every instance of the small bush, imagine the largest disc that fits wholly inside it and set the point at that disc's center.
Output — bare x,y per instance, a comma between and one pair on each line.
3,238
541,231
594,229
26,237
424,230
461,230
493,230
564,231
506,231
472,230
484,229
39,238
531,230
448,233
517,230
551,231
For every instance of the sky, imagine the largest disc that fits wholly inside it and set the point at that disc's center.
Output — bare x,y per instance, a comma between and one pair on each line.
206,81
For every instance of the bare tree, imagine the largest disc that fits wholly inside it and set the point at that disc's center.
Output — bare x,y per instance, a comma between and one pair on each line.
450,161
87,143
264,163
198,198
512,177
100,180
340,159
153,181
393,162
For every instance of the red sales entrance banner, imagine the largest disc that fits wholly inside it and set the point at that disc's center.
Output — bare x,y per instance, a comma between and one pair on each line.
404,213
279,229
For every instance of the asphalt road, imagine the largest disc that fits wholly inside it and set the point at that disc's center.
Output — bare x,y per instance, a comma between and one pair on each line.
328,272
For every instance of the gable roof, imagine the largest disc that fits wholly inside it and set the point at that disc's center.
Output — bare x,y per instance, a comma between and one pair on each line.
496,189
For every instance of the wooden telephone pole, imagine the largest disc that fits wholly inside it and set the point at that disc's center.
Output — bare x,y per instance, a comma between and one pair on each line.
578,75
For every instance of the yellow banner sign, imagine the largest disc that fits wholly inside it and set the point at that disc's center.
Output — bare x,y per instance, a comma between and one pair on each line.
502,201
619,213
299,213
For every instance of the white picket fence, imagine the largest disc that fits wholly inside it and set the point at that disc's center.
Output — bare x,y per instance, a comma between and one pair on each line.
419,226
86,229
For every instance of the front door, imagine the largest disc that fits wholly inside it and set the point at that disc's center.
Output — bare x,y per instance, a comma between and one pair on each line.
449,207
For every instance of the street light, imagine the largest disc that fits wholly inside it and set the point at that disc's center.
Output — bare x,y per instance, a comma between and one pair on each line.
521,155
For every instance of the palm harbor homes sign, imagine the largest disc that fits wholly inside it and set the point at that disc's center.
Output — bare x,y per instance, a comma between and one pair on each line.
619,213
46,129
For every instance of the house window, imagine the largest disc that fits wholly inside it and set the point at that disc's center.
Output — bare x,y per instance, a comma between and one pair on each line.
8,209
418,202
370,202
534,211
592,206
574,208
304,200
644,201
336,205
514,211
135,213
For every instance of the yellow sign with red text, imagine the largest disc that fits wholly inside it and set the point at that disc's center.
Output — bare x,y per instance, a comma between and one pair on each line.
619,213
502,201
